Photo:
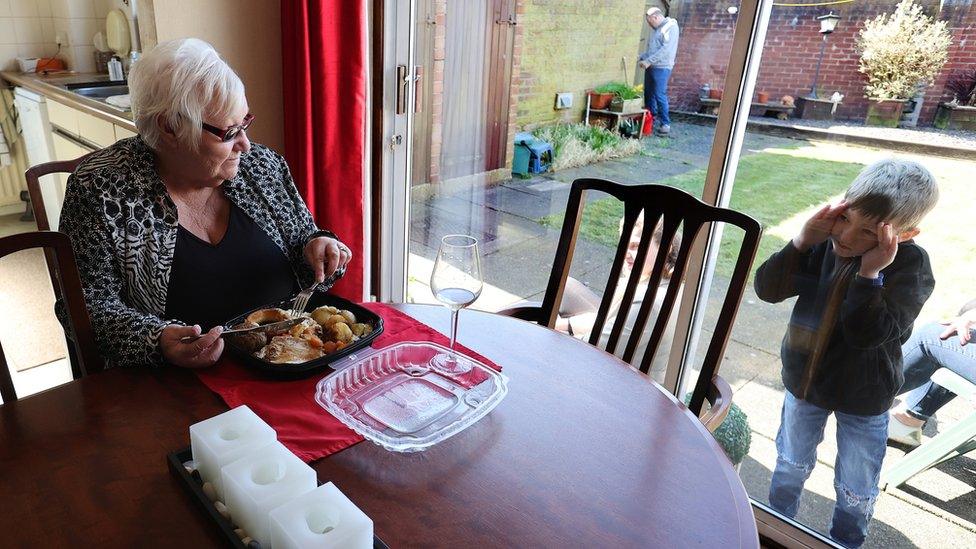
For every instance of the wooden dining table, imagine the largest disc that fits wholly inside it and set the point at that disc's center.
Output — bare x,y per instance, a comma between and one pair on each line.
584,451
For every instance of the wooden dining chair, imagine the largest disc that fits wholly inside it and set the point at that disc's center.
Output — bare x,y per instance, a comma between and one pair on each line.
34,175
67,288
673,208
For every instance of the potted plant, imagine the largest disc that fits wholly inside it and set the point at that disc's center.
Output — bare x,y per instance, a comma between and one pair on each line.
715,93
762,97
600,97
960,113
898,52
733,435
626,98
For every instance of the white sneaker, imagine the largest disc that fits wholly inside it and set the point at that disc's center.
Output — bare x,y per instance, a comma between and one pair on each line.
903,434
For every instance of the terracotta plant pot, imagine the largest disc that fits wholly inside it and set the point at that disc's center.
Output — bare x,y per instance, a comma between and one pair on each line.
714,94
600,100
762,97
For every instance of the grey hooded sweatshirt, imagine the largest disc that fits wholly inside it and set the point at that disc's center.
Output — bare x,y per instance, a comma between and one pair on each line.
662,45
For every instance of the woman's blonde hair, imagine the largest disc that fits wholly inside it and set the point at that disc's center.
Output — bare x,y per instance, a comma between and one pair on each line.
178,83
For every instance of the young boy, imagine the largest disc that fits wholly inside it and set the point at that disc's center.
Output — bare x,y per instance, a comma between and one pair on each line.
860,281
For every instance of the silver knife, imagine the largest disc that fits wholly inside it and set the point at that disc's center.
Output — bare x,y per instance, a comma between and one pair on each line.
273,327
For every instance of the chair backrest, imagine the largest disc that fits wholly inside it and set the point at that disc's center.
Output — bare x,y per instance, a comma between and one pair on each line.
672,208
34,175
67,289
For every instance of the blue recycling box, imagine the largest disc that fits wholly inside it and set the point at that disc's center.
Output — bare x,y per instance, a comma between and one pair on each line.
532,155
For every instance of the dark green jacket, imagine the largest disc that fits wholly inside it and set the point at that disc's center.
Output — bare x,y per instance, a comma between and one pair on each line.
842,349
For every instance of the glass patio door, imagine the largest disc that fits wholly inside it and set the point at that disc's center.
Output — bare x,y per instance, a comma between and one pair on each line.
452,172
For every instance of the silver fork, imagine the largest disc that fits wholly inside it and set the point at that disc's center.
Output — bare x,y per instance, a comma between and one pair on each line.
301,300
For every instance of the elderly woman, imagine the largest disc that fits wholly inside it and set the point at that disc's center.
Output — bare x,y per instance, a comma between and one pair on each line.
189,224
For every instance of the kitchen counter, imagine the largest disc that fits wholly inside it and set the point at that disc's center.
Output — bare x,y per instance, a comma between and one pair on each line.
51,86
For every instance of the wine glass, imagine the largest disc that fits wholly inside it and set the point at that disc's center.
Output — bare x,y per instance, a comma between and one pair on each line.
456,282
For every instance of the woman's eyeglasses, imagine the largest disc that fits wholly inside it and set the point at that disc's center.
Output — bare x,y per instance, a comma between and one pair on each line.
230,133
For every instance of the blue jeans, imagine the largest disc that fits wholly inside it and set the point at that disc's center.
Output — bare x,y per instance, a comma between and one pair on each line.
925,353
656,94
860,450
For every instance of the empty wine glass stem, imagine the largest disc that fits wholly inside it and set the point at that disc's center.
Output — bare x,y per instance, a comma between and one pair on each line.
454,325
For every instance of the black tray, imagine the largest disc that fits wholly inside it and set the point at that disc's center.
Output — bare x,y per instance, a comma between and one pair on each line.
195,487
318,299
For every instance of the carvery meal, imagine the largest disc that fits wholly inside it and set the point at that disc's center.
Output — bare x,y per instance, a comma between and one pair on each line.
324,330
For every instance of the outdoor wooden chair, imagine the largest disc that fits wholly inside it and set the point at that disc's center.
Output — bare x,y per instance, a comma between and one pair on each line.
672,208
67,288
957,440
34,175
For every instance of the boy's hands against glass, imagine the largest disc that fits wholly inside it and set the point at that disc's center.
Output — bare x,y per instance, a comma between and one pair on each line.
817,228
882,255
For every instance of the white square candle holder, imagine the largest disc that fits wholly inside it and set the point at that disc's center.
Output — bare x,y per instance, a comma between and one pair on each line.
323,517
225,438
260,482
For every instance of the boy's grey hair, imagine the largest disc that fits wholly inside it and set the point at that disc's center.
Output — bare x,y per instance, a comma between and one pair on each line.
895,191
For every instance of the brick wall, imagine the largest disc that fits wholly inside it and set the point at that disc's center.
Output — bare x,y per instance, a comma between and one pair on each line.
570,46
793,45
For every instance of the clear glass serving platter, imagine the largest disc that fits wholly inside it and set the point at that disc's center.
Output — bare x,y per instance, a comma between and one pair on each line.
397,398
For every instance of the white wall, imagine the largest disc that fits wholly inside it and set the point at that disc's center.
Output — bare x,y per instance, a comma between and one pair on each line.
26,30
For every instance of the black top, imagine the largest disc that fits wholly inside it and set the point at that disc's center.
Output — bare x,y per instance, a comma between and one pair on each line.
211,283
842,349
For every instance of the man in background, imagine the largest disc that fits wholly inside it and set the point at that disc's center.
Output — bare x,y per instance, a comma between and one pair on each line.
657,62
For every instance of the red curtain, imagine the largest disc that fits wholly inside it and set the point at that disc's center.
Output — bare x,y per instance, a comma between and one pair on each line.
324,79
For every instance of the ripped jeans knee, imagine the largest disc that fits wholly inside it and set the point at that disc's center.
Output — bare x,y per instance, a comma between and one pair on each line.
849,499
803,468
852,514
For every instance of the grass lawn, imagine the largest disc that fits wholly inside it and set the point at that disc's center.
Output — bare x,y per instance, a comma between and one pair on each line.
770,186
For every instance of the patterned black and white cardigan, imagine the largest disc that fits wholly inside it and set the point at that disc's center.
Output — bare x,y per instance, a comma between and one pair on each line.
123,225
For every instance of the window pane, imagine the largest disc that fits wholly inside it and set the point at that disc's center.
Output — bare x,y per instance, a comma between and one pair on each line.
486,81
820,363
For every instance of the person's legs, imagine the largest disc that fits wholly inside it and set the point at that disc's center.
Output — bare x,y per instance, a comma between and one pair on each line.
923,402
649,102
924,353
577,299
661,77
801,429
860,451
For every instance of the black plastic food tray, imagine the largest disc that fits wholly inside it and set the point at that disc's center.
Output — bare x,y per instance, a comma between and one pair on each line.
318,299
195,487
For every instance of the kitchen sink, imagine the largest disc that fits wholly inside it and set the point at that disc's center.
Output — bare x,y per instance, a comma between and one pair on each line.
100,90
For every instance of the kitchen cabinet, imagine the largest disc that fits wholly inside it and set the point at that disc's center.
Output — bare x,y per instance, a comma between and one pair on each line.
122,133
67,149
63,116
95,130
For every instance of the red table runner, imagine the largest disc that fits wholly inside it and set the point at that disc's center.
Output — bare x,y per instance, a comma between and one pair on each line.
289,407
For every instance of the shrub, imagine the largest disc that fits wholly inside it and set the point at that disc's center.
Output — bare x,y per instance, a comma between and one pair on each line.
578,144
962,84
901,51
733,434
